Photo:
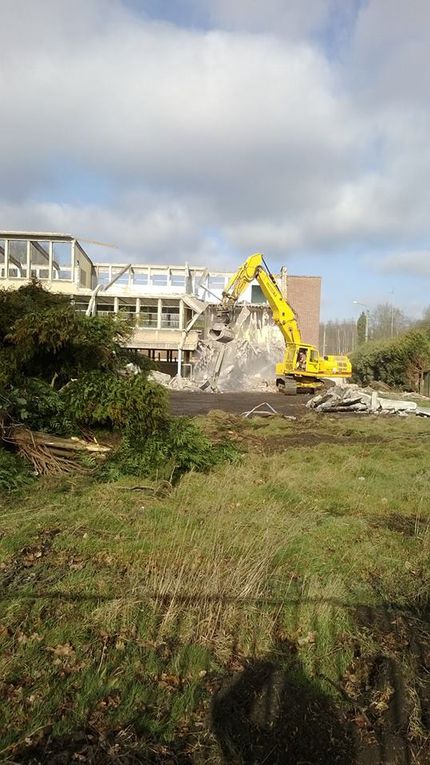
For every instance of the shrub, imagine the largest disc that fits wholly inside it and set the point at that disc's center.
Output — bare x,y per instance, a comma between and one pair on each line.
168,453
127,402
14,472
36,405
398,363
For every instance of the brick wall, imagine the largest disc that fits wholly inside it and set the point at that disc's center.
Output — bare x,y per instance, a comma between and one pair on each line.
304,295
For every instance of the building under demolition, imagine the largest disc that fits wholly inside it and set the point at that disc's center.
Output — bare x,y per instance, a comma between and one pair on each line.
169,306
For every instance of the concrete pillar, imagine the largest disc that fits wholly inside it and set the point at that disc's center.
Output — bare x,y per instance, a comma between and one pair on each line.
116,305
160,304
50,259
137,311
28,259
6,258
181,315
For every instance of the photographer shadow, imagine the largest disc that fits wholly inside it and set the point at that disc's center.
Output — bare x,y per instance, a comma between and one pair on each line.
272,713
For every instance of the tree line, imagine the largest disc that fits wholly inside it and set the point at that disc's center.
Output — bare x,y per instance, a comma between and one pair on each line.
385,322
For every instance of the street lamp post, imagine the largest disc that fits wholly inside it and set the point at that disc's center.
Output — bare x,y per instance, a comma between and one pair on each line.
366,314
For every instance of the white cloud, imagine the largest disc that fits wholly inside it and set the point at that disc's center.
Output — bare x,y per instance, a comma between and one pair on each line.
247,130
410,263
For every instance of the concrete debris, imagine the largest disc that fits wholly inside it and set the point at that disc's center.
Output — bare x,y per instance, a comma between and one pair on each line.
159,377
351,398
422,411
183,383
247,362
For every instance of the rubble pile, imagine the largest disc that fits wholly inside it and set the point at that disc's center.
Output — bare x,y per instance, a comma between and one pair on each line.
351,398
247,363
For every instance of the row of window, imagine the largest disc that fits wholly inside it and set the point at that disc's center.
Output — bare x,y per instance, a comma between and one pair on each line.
147,317
155,280
21,264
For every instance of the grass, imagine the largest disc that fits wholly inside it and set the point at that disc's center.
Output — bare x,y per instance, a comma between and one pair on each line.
123,613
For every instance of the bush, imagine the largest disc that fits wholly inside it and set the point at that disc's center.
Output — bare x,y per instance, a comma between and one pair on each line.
129,403
399,363
36,405
15,473
169,453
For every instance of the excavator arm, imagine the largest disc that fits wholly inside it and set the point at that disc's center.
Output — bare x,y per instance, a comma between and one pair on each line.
283,315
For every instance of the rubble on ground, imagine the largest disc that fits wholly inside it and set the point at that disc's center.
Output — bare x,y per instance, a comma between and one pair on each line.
247,363
352,398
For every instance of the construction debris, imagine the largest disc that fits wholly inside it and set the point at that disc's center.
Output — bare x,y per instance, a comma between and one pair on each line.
258,410
269,411
247,362
351,398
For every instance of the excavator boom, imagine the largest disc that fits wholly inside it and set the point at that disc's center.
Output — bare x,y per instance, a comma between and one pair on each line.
302,365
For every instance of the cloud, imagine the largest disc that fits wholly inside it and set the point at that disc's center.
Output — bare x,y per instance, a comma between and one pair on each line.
410,263
210,142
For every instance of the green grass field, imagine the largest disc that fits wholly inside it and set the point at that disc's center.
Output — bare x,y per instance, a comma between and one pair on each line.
275,610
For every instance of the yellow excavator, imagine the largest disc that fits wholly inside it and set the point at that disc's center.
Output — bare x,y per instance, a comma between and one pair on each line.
302,368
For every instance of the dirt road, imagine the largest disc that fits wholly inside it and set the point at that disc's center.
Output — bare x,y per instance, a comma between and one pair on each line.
193,403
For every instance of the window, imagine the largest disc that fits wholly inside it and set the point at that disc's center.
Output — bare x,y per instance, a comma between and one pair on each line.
216,282
170,317
128,310
39,260
314,356
178,280
140,278
17,259
159,280
122,280
62,260
148,316
257,294
2,258
105,309
103,276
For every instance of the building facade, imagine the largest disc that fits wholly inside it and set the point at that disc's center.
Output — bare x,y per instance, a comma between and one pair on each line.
166,304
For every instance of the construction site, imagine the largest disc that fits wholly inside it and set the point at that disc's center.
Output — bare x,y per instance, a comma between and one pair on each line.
171,308
208,553
214,382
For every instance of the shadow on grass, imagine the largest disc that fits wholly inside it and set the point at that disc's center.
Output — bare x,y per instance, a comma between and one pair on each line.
272,713
269,711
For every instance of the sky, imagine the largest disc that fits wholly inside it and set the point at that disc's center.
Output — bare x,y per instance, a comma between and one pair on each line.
205,130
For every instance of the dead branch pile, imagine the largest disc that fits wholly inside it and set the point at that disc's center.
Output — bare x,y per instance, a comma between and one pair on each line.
52,455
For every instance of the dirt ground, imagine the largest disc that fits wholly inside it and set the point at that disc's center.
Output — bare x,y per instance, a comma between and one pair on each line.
191,403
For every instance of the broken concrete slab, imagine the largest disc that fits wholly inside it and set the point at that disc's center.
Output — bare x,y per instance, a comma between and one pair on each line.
397,405
159,377
351,398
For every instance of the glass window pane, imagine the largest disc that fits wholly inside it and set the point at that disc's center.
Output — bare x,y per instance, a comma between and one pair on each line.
217,282
122,281
62,260
103,276
39,260
178,280
140,278
2,273
170,317
18,259
159,280
148,316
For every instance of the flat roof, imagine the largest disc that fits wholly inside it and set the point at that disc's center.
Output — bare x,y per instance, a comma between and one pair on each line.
36,235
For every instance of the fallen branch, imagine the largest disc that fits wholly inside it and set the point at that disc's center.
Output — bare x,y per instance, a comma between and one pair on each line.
53,454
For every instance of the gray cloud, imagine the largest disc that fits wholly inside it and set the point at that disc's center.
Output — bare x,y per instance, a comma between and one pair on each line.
247,130
411,263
